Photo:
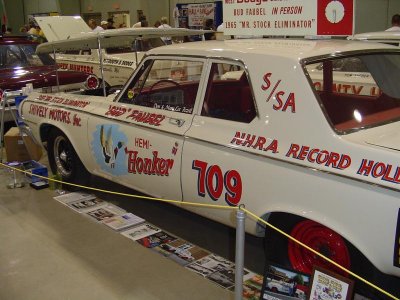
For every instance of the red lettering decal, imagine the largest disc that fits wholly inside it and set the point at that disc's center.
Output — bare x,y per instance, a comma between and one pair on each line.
267,82
290,102
365,167
272,147
200,166
357,91
233,185
294,148
303,152
214,182
279,100
378,170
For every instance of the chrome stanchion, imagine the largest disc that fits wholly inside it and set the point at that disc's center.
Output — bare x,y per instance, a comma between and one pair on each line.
239,255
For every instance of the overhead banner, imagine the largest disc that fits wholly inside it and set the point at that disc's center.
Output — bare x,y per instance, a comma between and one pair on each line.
288,17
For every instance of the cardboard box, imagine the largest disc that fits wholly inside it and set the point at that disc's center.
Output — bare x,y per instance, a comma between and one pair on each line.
20,148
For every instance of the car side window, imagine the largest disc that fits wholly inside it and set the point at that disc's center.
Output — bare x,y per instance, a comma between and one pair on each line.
229,95
165,84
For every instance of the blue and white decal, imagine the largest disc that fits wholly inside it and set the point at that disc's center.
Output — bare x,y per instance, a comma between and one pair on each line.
108,146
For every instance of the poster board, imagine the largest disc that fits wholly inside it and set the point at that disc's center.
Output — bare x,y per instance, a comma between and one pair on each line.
326,284
192,15
289,18
283,283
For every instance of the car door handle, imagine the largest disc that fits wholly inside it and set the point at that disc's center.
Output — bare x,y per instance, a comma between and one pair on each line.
177,122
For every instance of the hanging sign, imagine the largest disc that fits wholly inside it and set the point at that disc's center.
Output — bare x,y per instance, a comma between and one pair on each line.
288,17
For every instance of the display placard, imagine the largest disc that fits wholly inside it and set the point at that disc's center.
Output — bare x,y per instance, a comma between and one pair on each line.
328,285
289,17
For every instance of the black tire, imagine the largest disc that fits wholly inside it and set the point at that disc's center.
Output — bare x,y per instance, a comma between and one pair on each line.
64,160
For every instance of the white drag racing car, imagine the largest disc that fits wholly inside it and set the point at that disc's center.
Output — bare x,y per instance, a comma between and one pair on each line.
242,122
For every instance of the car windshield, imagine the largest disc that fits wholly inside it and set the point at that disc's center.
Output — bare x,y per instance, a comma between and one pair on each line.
22,55
360,91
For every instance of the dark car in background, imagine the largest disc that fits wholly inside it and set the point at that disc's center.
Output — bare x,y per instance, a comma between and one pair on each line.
20,65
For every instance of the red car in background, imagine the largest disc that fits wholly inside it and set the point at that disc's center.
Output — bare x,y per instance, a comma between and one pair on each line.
20,65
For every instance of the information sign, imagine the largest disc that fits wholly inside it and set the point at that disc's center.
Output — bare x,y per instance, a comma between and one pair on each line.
288,17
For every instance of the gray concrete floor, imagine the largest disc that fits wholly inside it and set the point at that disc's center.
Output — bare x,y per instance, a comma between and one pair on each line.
48,251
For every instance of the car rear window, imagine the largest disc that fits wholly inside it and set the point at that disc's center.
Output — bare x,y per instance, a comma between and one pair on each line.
358,92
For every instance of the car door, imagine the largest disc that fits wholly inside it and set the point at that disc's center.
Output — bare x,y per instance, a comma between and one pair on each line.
138,140
213,170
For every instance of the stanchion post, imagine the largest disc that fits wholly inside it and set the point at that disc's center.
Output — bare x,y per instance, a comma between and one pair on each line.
239,255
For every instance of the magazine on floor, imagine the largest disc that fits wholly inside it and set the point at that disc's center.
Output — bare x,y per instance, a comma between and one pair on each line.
156,239
73,197
86,204
140,231
105,212
252,287
184,252
210,264
123,222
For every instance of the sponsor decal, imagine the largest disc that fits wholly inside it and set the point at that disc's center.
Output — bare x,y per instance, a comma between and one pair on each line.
138,116
148,165
396,258
283,101
108,143
142,143
367,168
74,67
118,62
256,142
131,94
55,114
146,117
351,89
211,180
64,101
381,170
113,155
319,156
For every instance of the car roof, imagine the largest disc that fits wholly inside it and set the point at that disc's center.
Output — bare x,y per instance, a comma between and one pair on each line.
378,35
296,49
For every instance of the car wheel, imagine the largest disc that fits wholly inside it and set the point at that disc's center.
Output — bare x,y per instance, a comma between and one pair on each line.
287,253
64,160
281,251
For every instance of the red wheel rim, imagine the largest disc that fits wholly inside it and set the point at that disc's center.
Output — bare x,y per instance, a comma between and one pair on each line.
321,239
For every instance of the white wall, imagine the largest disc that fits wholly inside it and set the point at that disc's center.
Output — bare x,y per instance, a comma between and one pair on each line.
152,9
40,6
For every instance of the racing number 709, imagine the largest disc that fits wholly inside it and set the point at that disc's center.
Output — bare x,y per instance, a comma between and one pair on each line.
211,179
